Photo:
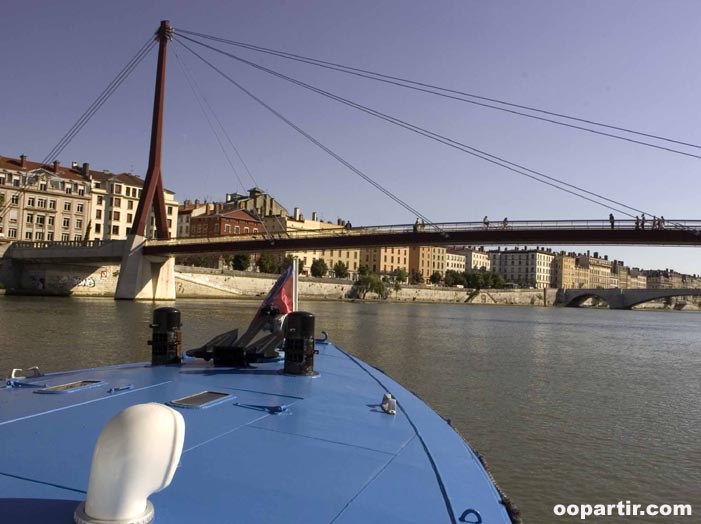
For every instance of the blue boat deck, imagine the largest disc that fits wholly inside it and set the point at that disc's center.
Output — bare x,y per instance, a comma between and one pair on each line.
279,449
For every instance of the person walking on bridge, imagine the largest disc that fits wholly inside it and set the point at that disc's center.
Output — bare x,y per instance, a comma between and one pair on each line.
485,221
637,222
612,220
505,222
642,221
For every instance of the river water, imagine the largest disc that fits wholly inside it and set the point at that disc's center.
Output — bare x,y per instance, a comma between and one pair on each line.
568,406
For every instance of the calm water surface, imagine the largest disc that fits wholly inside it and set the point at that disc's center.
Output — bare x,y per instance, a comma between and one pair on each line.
566,405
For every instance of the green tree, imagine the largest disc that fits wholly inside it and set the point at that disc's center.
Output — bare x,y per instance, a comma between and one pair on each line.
340,270
435,277
241,261
416,277
370,283
363,271
266,263
497,281
319,268
453,278
287,262
400,274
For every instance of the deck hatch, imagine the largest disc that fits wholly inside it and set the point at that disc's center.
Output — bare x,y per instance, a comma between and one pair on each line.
72,387
201,400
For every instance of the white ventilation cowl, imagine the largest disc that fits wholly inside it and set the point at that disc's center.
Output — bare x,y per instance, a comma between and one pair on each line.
136,455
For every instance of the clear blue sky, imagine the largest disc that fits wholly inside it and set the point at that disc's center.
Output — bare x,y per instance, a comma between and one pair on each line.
630,63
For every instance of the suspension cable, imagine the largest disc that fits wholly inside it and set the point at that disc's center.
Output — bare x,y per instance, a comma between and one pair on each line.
87,115
519,169
99,101
195,91
315,141
450,93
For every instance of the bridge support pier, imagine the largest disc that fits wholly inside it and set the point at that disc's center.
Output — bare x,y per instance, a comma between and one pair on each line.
142,277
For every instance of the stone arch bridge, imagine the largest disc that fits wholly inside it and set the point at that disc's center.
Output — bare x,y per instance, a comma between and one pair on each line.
620,298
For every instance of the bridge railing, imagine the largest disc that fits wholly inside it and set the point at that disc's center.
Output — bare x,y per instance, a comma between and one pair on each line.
62,244
445,227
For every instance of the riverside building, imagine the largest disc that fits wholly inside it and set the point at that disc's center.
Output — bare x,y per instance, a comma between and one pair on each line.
455,261
283,225
55,203
426,260
525,267
39,202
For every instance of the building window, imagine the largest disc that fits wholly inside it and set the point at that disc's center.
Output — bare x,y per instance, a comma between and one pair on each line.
12,233
130,204
69,190
50,235
66,222
31,202
98,214
2,179
81,191
39,235
65,237
79,208
245,230
100,200
41,203
51,220
227,228
77,238
170,210
98,228
78,223
15,199
130,218
117,189
115,230
52,204
66,206
42,186
15,182
237,230
116,202
115,215
41,219
28,235
30,218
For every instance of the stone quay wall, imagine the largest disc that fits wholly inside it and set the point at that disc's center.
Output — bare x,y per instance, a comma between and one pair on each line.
91,280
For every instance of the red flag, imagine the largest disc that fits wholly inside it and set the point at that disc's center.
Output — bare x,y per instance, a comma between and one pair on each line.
280,296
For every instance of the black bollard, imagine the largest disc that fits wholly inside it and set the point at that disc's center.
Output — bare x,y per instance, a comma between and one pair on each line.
166,344
299,343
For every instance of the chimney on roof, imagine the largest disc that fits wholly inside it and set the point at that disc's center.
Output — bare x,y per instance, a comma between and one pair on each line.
296,214
56,164
23,161
315,216
74,165
197,203
86,170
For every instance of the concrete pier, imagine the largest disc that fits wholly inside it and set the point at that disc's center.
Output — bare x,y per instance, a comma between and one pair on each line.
144,277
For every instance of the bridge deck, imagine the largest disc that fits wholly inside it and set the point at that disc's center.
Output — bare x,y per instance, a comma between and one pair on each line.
543,232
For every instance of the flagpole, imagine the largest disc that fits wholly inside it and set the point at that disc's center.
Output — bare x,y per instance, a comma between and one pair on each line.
295,273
